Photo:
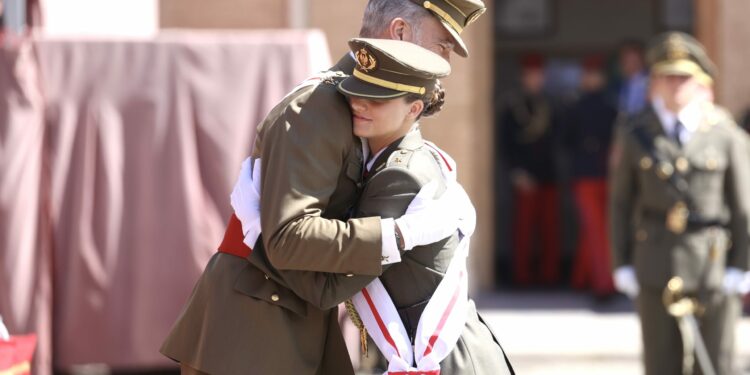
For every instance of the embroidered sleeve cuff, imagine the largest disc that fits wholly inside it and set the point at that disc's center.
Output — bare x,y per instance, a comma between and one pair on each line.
390,248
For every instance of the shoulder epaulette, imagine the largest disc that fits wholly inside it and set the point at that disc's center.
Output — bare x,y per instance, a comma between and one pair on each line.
333,78
400,158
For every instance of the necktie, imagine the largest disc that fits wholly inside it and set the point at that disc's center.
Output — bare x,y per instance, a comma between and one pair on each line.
677,132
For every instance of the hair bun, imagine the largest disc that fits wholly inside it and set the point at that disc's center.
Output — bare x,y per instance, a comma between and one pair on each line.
436,102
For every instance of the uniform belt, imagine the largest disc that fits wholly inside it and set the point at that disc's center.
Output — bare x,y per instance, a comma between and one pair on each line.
233,240
410,317
694,221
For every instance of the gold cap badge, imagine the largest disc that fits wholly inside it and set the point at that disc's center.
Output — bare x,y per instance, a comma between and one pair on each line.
365,60
676,48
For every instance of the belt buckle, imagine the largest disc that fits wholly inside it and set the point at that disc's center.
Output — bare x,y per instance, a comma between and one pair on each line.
677,217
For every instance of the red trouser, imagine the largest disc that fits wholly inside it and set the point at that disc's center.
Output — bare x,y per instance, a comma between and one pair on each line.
536,215
592,267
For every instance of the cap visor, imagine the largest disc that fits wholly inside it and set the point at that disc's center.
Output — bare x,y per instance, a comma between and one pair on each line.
672,70
677,67
460,47
351,86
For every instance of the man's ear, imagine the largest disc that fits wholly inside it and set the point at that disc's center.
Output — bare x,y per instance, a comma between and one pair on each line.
399,29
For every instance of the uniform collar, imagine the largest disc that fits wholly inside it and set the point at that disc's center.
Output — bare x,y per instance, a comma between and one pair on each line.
345,64
411,141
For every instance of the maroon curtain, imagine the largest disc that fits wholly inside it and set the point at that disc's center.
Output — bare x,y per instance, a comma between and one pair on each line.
120,155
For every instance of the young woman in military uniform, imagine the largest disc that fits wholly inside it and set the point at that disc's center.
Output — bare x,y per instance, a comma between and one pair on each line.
393,86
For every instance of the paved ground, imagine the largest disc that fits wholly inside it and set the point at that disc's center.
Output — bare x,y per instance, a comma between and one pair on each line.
565,333
554,333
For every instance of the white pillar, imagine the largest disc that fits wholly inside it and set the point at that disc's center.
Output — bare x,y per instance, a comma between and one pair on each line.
126,18
298,14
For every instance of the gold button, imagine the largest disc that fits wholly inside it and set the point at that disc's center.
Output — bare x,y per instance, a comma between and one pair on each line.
711,164
641,235
682,164
646,163
349,275
266,276
275,297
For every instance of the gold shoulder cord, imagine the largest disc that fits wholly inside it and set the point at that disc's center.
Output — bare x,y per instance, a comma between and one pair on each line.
357,320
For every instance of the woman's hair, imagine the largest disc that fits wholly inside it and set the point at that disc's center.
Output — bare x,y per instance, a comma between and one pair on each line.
433,100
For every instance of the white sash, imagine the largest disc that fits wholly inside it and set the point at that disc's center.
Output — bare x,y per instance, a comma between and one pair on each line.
439,326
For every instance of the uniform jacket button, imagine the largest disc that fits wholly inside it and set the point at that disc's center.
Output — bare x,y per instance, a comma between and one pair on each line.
275,297
266,276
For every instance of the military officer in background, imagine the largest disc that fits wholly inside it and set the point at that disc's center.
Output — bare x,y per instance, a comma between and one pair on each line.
528,137
679,207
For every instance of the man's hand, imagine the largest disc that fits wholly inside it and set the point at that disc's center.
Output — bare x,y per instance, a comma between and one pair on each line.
626,282
736,281
245,200
428,220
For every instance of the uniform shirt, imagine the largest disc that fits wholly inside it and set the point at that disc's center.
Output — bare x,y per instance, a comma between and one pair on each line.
690,117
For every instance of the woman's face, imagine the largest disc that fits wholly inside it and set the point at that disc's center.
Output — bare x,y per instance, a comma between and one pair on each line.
383,121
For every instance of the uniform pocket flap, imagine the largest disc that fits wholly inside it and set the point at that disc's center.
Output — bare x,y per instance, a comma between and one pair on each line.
254,283
709,160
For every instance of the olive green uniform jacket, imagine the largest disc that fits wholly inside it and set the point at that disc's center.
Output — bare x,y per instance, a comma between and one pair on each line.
714,164
244,315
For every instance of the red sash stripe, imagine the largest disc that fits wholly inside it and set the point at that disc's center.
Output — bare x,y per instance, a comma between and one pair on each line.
382,326
444,318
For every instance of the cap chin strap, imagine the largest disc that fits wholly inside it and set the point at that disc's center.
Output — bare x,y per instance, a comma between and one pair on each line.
388,84
444,15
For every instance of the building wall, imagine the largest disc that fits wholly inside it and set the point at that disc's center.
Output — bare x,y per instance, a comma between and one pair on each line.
222,14
733,54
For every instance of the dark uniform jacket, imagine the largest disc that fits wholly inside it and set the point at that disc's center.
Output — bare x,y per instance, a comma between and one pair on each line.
715,166
245,315
587,133
529,137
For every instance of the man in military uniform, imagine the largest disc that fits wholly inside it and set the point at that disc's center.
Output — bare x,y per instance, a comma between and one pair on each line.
679,208
248,314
